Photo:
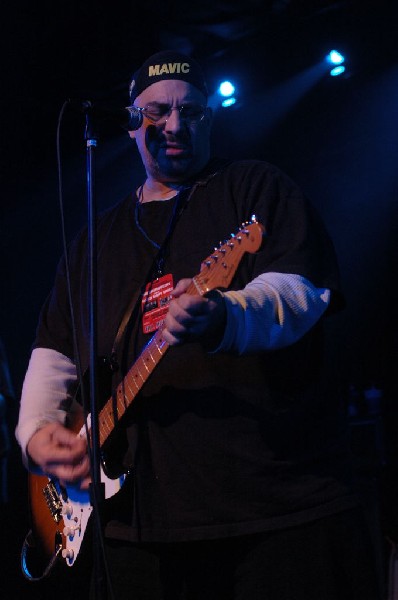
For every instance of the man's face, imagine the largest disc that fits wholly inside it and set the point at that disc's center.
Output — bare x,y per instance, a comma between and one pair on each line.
174,149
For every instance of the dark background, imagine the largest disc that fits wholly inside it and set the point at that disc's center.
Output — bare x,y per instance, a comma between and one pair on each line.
337,137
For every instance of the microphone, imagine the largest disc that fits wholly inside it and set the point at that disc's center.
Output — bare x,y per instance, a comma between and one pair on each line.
129,117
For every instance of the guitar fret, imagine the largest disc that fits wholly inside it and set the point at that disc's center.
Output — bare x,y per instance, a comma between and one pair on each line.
108,425
126,400
161,344
151,357
140,374
110,415
121,408
158,349
130,379
105,423
104,436
145,365
121,403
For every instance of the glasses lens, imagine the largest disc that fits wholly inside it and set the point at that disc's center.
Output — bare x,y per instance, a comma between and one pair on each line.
192,112
155,112
159,113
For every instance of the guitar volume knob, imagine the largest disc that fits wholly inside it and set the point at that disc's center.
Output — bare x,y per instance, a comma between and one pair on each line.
69,532
68,553
67,510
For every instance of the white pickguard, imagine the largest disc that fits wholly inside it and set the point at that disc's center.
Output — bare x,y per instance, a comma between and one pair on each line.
76,511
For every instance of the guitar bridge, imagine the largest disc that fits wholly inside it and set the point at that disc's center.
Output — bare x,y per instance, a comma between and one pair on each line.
53,501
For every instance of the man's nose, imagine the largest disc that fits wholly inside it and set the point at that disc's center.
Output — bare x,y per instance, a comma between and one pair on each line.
174,121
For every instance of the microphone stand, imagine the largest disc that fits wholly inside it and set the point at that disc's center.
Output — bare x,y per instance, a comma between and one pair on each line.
97,489
130,119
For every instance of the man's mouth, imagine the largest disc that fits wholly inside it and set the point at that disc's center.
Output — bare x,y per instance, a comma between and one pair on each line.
174,148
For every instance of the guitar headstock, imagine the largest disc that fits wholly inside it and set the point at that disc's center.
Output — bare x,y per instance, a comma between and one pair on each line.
218,269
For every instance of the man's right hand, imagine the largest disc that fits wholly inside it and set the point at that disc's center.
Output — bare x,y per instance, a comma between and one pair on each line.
61,453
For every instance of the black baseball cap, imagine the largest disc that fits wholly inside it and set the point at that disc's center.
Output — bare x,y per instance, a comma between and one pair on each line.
168,64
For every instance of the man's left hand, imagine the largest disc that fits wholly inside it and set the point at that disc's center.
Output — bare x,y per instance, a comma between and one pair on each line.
195,318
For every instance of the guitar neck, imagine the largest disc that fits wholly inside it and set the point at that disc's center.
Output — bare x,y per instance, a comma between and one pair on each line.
217,271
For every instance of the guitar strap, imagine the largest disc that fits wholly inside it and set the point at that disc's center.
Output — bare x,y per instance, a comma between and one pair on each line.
122,327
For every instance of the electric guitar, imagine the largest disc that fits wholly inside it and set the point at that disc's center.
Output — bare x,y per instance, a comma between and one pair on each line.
60,514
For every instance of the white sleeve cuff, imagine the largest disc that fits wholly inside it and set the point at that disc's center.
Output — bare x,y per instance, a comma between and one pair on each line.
273,311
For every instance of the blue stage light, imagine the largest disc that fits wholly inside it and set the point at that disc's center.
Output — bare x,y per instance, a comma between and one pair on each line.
226,89
228,102
337,71
335,58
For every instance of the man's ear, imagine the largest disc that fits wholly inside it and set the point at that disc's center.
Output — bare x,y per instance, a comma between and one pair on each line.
131,134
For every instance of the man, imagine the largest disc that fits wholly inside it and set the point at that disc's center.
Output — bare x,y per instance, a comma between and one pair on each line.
239,487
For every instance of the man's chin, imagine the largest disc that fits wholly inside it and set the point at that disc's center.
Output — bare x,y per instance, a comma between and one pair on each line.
176,165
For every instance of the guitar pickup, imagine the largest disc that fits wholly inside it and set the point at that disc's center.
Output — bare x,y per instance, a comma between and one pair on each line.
53,501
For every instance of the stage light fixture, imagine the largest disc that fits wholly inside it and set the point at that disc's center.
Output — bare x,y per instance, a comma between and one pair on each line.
226,89
228,102
337,71
335,57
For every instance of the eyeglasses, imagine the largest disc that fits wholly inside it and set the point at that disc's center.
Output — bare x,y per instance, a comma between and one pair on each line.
159,113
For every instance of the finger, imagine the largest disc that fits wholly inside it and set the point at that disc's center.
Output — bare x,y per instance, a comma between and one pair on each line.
193,305
65,438
85,483
61,457
80,462
70,473
185,308
181,287
68,454
174,337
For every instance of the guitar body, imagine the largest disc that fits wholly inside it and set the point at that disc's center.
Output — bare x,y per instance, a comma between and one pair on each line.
46,527
59,518
60,515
